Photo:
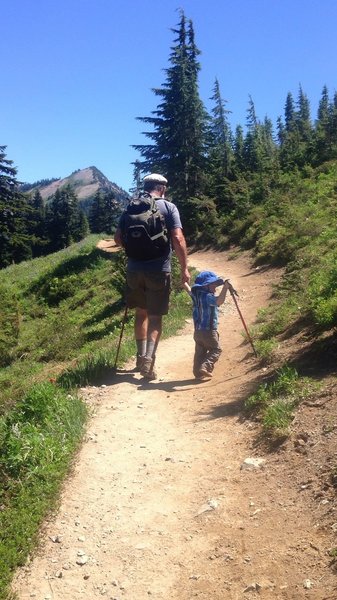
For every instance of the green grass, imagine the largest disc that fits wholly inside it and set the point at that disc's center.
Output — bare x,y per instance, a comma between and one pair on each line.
275,402
37,441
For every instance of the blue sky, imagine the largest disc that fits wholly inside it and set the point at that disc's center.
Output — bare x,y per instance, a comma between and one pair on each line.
75,74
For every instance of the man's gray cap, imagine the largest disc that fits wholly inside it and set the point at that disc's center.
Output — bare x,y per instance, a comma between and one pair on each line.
155,178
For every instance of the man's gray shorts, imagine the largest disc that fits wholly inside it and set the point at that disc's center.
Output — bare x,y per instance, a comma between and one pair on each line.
149,290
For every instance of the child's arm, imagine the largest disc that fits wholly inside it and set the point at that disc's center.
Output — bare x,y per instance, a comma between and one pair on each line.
222,296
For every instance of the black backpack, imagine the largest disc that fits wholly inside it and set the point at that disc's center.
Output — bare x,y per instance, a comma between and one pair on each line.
144,231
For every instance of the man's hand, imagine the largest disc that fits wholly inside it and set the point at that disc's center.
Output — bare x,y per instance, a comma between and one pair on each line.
179,246
187,287
118,238
185,276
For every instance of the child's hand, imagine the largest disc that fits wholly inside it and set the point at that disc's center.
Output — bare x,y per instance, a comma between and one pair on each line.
187,287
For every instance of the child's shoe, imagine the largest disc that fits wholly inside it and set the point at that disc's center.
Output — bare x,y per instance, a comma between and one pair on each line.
204,374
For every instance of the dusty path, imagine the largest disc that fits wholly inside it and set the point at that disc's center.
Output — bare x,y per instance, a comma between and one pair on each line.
158,505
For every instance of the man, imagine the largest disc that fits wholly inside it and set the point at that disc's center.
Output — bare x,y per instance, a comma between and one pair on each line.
149,281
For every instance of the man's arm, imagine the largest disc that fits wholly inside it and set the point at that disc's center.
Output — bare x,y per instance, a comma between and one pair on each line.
179,246
118,237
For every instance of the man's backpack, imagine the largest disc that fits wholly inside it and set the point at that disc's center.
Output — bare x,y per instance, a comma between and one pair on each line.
144,231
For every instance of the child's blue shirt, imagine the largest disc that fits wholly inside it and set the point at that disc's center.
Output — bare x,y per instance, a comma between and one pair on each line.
205,309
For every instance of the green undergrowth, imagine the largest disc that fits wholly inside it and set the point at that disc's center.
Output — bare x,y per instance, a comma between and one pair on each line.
295,227
37,443
275,402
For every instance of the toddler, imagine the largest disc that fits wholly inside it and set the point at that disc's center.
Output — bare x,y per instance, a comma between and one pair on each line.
205,317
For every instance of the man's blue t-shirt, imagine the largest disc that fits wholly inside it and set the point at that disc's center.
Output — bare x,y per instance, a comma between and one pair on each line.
172,220
205,309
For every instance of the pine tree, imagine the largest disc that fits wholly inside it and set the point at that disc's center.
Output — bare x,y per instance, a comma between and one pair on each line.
220,152
179,122
7,201
97,217
289,113
324,129
61,216
333,125
36,224
220,134
80,225
297,143
304,130
104,213
15,243
112,212
239,143
251,142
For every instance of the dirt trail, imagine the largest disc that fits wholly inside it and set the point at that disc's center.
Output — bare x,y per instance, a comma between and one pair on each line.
159,506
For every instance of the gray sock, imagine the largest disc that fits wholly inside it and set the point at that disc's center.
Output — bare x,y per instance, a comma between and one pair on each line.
141,347
150,348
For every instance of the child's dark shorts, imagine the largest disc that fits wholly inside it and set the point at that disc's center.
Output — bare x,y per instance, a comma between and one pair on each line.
149,290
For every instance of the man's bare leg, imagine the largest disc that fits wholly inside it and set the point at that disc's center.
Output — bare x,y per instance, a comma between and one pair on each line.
149,327
140,328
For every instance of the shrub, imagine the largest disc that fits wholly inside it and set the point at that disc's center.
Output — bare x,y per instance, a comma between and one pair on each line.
9,324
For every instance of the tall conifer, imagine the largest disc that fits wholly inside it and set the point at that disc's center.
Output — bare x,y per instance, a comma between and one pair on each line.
179,122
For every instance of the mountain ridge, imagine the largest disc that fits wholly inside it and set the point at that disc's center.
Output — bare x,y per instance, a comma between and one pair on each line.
85,182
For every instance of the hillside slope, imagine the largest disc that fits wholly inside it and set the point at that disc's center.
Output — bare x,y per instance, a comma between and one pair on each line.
86,182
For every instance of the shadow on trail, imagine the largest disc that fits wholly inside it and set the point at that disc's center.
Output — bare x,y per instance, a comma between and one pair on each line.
129,376
235,406
221,410
173,386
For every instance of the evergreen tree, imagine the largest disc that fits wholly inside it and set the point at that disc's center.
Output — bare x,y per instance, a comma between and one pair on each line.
137,170
239,144
289,113
112,212
333,125
179,122
36,225
281,131
7,201
97,216
297,143
252,143
220,152
104,213
15,244
80,225
325,134
61,216
303,120
220,134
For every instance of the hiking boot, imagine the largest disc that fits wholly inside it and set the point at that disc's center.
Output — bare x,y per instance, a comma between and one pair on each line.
204,374
139,362
147,369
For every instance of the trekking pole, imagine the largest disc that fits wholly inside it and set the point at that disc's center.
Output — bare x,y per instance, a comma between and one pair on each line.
121,335
234,293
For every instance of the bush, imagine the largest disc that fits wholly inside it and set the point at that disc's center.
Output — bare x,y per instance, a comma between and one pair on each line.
37,442
9,324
